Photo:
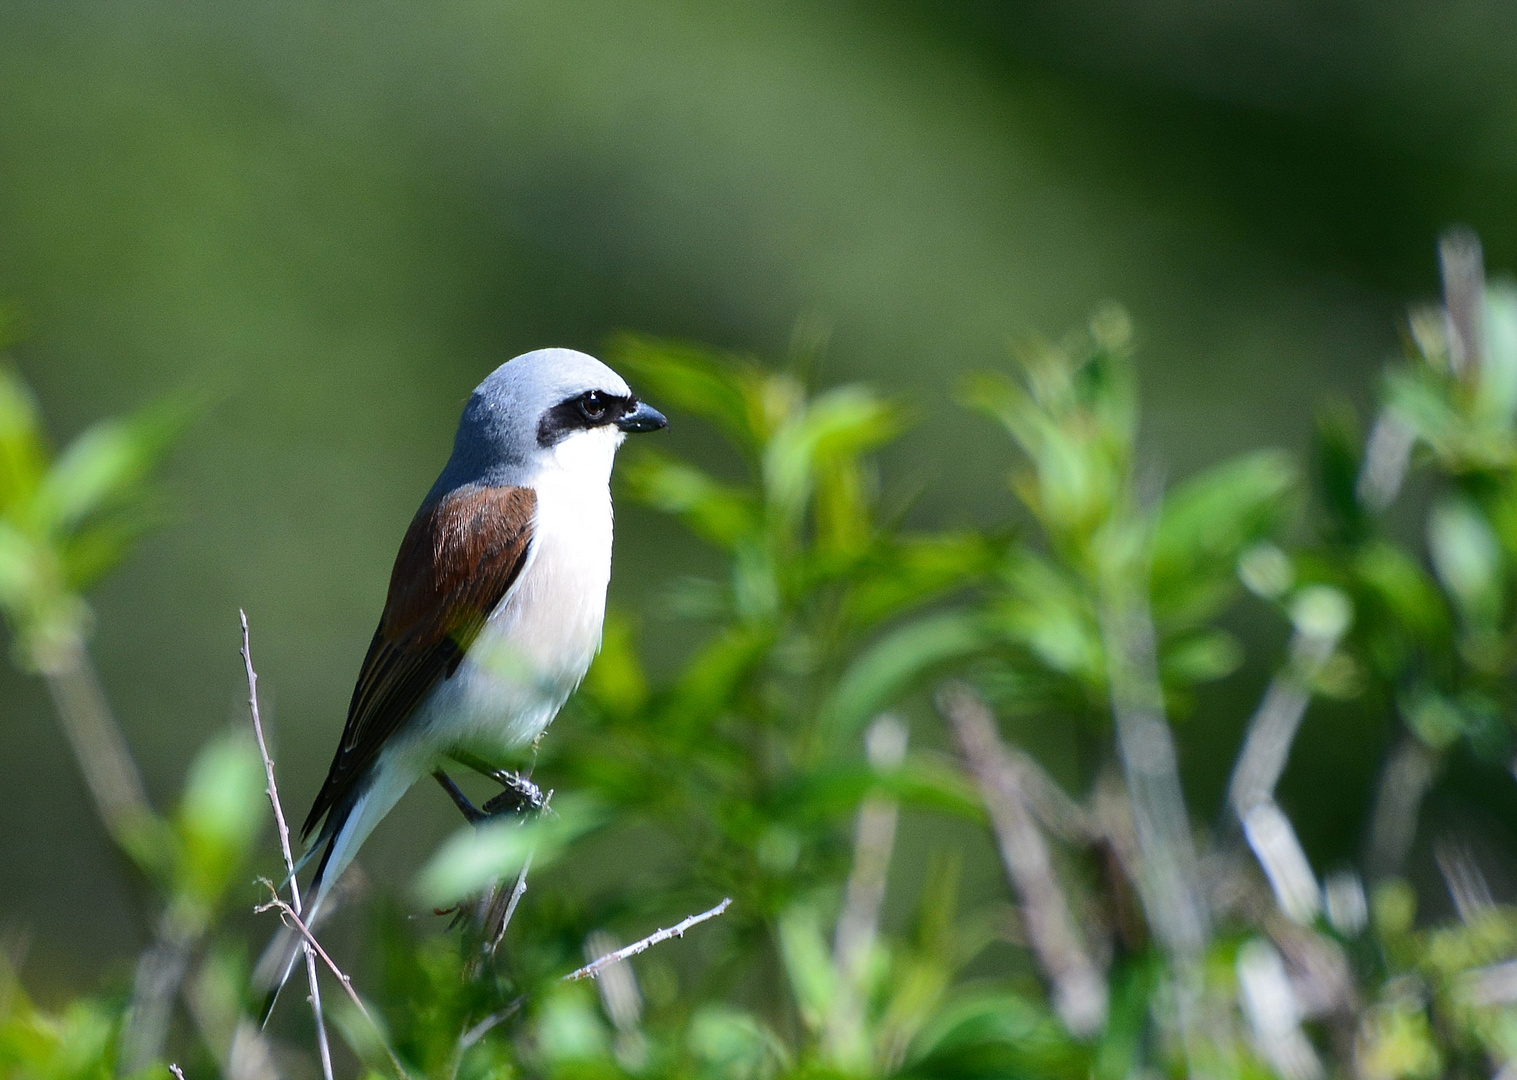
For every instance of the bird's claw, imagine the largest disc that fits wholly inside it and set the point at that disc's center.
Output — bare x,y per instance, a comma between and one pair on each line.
520,795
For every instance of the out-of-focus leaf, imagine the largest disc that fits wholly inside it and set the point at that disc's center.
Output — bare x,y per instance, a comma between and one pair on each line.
107,464
1338,441
917,569
98,546
616,681
23,454
711,679
731,1044
1205,525
808,964
716,512
836,425
895,664
569,1029
1467,557
1054,617
20,567
1496,402
1396,580
1434,719
1201,657
925,782
220,814
477,855
993,1034
728,391
75,1044
1266,571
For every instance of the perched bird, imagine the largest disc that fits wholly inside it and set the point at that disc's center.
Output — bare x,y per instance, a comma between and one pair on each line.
495,603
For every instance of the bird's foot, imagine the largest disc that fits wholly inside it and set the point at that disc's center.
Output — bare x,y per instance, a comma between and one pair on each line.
519,797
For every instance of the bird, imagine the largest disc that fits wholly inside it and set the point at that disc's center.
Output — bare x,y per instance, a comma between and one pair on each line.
495,604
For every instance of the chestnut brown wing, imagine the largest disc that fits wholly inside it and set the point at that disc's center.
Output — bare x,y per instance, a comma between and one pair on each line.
458,559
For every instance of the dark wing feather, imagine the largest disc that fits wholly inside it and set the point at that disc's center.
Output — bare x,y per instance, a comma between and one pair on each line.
458,559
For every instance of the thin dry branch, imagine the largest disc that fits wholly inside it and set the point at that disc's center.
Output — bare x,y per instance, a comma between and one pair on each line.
323,1046
1079,988
292,919
595,967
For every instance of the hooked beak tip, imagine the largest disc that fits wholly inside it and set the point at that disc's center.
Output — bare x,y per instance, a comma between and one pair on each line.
643,418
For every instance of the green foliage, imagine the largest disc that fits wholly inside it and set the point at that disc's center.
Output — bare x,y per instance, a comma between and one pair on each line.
67,519
740,774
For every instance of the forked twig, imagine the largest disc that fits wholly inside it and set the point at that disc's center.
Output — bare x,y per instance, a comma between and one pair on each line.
323,1046
292,919
1079,986
595,967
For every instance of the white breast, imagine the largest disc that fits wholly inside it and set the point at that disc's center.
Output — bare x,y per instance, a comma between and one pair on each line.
540,639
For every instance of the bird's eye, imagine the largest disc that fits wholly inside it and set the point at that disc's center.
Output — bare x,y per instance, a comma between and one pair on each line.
593,406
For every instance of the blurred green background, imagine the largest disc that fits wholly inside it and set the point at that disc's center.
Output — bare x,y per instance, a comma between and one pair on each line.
340,216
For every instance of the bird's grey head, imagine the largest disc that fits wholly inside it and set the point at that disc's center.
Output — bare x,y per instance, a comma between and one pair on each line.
529,405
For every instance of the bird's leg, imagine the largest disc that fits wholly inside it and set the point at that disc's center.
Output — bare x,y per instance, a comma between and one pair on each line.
472,814
521,795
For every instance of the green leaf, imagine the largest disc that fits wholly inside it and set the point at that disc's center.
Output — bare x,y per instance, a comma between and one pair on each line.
912,570
718,513
23,454
727,390
808,964
1406,590
835,426
1207,522
477,855
220,814
1467,557
1053,616
1201,657
107,465
895,664
735,1045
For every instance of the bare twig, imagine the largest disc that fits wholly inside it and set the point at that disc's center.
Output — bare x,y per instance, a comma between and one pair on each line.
177,1071
1079,988
1274,1013
1466,884
489,1024
284,849
99,747
292,919
873,842
1404,783
1168,882
497,906
1273,727
858,923
156,980
1463,267
1386,457
1055,810
594,968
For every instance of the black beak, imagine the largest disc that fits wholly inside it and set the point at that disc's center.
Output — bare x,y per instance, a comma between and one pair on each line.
643,417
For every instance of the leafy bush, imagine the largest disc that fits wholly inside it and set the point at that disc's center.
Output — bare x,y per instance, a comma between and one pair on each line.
772,767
